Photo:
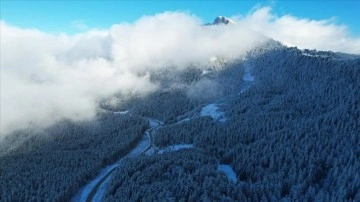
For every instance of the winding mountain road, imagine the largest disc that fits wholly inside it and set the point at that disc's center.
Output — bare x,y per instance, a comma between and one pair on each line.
95,190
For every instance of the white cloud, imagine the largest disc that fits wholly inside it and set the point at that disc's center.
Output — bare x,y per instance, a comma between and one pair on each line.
46,77
303,33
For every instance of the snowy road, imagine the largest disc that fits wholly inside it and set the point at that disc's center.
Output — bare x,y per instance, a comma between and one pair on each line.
95,190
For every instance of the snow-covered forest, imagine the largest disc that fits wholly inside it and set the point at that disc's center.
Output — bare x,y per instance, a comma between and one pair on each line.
52,165
287,121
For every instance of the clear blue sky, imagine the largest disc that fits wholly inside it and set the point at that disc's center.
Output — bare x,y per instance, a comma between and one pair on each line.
61,15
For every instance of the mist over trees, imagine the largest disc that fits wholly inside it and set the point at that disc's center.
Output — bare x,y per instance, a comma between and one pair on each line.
292,134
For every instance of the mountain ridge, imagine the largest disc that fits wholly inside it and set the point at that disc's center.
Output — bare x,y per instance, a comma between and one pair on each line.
221,20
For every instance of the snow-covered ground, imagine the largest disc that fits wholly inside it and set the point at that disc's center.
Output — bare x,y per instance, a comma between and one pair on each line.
155,123
229,172
150,152
177,147
247,75
315,55
183,120
212,110
102,189
248,79
122,112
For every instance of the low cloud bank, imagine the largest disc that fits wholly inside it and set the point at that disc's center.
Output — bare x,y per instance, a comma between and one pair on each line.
47,77
301,32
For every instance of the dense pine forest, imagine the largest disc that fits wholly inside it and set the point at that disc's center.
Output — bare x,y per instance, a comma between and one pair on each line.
52,165
290,130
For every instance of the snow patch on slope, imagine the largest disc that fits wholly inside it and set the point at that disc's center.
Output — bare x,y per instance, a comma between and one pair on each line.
155,123
212,110
247,75
176,147
122,112
315,55
183,120
228,171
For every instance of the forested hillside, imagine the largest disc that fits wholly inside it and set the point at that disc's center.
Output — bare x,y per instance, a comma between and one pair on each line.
290,131
55,163
293,135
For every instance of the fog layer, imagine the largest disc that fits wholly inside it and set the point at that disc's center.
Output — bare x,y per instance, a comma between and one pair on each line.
47,77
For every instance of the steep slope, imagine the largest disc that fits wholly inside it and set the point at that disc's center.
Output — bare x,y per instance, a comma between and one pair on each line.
292,135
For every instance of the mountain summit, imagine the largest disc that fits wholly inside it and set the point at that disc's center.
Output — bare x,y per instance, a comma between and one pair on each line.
222,20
